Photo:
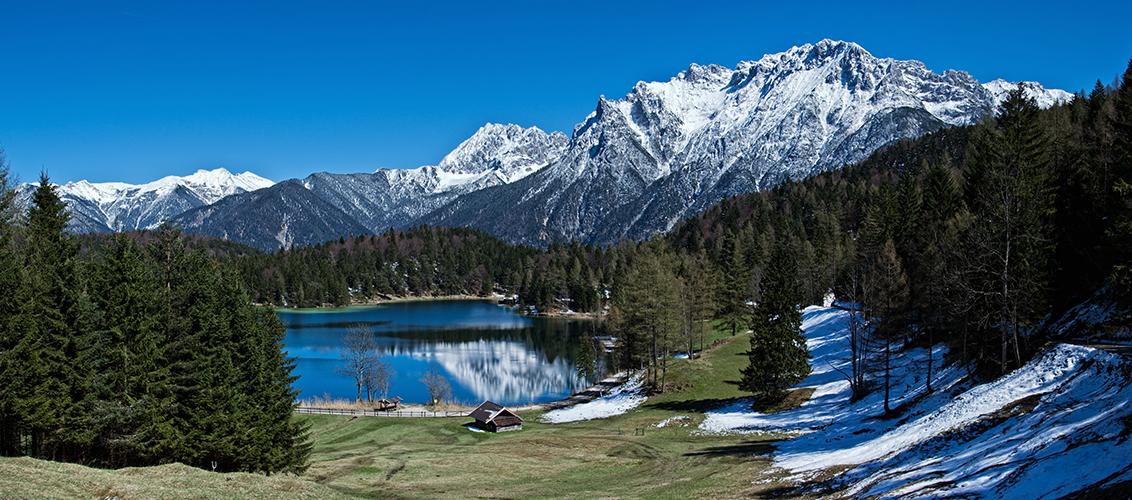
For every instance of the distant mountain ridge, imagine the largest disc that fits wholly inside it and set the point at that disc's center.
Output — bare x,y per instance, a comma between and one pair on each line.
96,207
635,166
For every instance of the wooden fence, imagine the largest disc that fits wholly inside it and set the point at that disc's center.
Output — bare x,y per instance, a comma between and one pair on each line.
372,413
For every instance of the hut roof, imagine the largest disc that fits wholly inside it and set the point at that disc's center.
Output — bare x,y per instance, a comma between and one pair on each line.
488,411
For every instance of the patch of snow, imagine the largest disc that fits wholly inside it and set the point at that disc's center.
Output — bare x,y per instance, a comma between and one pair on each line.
620,400
1104,306
963,439
1042,96
674,421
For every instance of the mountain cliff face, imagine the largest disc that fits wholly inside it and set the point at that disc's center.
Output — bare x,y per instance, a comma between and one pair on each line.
668,150
494,155
96,207
281,216
635,166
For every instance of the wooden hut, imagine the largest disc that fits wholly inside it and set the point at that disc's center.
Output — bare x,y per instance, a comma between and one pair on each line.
495,418
387,404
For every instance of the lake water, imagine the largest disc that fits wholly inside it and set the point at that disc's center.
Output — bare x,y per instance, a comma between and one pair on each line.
486,351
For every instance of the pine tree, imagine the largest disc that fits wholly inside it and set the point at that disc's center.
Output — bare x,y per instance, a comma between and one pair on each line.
778,357
1011,193
130,354
272,441
649,320
586,362
10,283
1120,233
889,303
49,380
736,289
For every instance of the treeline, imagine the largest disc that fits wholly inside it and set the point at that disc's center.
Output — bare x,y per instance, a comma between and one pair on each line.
422,262
137,355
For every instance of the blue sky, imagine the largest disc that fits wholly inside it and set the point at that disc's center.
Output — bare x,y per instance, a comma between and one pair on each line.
134,91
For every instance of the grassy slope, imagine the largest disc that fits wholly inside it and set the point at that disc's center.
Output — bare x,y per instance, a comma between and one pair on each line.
22,478
440,458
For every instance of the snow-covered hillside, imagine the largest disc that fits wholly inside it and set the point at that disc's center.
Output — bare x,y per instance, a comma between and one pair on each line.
1053,427
98,206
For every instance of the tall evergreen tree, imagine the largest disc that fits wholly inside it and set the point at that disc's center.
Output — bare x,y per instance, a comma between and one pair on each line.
130,354
778,356
736,290
1121,230
889,303
45,367
10,283
1010,189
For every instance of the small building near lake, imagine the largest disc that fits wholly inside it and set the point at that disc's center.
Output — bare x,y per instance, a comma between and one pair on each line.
387,404
495,418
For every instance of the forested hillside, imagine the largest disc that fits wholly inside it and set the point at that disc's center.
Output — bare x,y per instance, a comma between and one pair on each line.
135,356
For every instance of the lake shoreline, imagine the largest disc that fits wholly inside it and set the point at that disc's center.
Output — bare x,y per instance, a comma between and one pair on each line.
599,389
399,299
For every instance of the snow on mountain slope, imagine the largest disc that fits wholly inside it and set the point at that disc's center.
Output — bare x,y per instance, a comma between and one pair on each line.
1053,427
499,154
494,155
1034,90
637,166
97,206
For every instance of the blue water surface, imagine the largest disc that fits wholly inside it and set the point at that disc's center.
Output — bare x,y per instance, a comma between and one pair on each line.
486,351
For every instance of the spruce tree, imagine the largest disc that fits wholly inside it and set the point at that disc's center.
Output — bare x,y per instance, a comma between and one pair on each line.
130,355
778,357
1120,232
11,267
49,380
736,289
889,302
1011,192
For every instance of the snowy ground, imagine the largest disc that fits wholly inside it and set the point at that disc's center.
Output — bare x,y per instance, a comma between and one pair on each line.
1059,423
621,399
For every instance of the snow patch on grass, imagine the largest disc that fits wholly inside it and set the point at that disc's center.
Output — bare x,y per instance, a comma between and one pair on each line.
621,399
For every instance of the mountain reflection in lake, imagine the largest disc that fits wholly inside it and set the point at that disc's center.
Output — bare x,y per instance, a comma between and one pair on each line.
486,351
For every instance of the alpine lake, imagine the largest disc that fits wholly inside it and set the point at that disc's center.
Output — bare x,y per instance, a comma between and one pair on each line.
486,351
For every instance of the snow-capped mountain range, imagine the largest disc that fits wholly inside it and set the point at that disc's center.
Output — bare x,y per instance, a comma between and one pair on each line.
97,207
635,166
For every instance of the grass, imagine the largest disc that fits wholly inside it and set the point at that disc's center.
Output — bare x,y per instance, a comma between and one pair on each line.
625,456
26,478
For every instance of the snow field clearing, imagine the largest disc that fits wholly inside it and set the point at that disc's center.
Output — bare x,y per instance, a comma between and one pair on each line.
1056,425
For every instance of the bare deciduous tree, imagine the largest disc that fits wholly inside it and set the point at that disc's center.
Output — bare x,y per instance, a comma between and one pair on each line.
438,388
379,378
856,323
359,354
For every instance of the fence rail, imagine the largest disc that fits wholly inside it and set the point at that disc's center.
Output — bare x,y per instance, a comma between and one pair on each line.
373,413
